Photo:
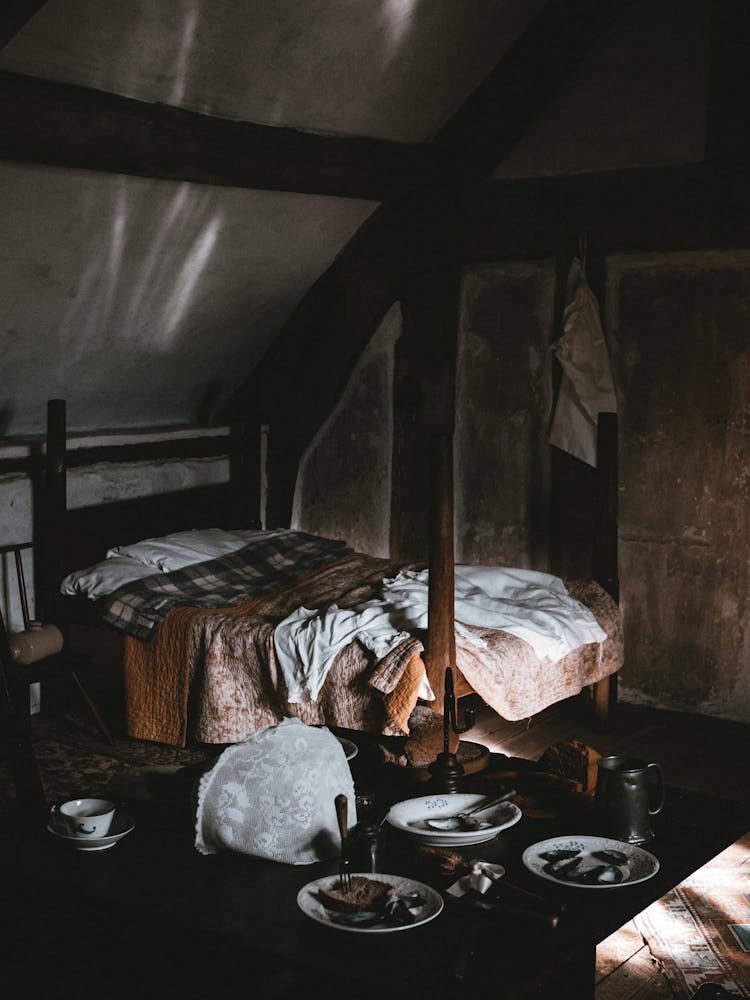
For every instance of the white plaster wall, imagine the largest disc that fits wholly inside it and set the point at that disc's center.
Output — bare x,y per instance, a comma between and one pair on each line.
344,482
102,483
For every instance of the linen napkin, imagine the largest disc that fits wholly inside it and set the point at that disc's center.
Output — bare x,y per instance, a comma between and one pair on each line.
480,877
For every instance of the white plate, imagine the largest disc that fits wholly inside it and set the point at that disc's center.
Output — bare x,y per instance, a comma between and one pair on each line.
410,817
350,749
310,903
641,865
122,825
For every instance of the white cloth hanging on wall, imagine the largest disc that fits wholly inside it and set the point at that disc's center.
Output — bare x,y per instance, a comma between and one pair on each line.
586,388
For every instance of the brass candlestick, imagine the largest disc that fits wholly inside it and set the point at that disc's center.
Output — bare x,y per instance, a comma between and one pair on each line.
447,770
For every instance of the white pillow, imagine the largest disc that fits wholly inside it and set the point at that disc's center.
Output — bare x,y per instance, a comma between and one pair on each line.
102,578
183,548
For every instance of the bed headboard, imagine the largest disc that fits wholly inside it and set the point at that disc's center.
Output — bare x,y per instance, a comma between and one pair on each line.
73,538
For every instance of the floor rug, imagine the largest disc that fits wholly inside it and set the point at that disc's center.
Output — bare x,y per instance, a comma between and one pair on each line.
693,931
75,761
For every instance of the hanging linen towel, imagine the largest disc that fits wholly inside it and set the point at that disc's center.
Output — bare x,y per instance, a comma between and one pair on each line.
586,387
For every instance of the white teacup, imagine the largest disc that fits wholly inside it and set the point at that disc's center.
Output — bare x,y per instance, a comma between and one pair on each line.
86,818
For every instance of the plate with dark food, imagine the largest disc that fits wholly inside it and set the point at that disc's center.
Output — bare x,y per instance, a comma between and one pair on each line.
375,904
590,862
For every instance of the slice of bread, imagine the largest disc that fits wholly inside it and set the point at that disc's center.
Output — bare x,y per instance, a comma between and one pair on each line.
365,894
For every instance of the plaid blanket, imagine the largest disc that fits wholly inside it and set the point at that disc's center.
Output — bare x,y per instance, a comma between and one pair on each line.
137,608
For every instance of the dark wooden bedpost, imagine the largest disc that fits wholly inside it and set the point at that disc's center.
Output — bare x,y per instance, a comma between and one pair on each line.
55,505
604,559
244,474
431,307
441,641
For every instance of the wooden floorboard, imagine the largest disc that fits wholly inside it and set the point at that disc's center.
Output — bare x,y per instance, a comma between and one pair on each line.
696,752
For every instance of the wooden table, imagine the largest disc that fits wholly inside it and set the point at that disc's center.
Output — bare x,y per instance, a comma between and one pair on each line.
152,917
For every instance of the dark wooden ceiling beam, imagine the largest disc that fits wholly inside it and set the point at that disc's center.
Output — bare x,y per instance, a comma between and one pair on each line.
543,58
727,150
13,16
636,210
65,125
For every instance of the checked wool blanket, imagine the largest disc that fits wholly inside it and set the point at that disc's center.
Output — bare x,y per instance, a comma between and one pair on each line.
137,608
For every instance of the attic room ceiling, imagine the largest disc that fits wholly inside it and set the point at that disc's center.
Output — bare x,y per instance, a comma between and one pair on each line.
394,69
179,176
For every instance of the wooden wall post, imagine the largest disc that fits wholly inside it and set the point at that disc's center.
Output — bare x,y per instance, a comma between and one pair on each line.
55,505
604,559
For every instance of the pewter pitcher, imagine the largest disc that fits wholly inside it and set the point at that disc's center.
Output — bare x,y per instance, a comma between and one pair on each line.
629,792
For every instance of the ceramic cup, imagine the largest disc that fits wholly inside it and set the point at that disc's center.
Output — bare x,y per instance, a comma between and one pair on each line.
86,818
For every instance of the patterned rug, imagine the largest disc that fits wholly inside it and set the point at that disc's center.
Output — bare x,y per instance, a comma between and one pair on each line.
694,931
75,761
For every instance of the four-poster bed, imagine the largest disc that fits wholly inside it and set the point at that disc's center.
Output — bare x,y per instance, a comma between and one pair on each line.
211,671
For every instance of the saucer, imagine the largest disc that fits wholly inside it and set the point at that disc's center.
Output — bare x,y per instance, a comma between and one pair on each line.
122,824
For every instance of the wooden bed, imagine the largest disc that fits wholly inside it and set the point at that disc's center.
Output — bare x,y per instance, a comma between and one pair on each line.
80,537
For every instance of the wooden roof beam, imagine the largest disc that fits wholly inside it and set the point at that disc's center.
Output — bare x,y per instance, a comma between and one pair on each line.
70,126
533,70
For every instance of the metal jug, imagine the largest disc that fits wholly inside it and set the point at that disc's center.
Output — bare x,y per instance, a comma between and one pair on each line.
629,792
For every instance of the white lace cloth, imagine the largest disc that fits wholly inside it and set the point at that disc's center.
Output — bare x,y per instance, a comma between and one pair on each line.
272,796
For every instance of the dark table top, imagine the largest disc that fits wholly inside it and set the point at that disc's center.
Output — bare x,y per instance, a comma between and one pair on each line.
153,913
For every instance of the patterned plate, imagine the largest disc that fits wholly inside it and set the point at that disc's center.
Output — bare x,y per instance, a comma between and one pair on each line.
410,817
637,866
309,901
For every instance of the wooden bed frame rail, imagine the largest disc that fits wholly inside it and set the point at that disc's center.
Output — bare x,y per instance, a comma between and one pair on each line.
73,538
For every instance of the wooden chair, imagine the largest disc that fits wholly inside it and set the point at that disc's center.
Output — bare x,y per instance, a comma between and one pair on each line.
16,678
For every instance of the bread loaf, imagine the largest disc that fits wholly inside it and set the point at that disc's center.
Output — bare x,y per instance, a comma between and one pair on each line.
365,894
573,760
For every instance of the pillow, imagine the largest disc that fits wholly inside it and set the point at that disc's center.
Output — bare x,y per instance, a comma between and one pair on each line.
183,548
104,577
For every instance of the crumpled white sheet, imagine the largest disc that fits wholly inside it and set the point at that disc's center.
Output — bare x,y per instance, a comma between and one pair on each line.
307,642
533,606
273,796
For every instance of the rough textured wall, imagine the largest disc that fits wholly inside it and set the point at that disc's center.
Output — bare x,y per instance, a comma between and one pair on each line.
502,408
679,326
344,483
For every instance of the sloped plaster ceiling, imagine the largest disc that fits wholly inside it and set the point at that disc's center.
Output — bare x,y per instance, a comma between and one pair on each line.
394,69
637,100
145,303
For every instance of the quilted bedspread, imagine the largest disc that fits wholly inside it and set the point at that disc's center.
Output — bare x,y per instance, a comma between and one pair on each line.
212,674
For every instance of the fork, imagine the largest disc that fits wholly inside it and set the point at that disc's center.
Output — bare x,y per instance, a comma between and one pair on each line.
345,874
